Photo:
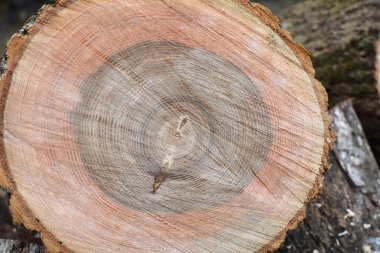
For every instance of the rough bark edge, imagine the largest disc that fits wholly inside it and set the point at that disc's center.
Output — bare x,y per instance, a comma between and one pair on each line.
377,65
15,49
302,54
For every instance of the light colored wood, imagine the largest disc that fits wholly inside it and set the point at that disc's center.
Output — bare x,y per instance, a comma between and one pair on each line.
161,126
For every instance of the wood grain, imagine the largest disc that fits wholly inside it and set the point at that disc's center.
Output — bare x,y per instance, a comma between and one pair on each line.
169,112
161,126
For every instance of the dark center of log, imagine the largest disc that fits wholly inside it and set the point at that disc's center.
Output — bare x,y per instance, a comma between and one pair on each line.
179,118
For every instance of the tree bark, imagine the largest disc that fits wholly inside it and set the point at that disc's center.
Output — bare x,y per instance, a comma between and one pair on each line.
346,217
12,246
377,72
341,38
181,126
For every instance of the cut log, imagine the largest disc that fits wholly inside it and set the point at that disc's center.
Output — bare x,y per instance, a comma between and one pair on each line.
346,217
161,126
341,38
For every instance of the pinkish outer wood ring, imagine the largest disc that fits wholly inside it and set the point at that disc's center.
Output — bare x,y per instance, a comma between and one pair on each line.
15,52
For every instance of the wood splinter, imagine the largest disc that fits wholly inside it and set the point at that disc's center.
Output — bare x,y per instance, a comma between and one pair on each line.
161,177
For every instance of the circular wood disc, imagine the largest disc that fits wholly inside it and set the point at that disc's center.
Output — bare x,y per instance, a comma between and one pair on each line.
161,126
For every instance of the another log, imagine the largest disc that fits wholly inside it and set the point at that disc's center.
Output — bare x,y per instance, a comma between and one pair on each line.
160,126
8,230
341,38
346,217
12,246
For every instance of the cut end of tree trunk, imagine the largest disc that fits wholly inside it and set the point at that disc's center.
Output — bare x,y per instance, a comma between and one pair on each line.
161,126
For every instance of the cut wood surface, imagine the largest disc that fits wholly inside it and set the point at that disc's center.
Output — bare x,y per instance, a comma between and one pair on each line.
346,217
160,126
341,38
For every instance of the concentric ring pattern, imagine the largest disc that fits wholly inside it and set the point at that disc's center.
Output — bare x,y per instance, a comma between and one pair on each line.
161,126
164,102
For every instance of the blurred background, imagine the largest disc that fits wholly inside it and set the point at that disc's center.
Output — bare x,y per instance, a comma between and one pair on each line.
13,14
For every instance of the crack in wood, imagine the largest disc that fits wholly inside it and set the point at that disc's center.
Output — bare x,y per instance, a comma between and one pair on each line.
183,122
161,177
